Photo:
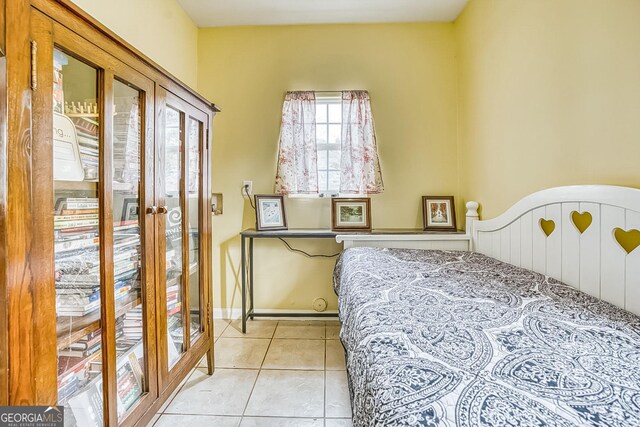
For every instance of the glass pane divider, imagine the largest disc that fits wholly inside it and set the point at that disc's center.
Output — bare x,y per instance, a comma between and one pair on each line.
202,215
184,190
105,91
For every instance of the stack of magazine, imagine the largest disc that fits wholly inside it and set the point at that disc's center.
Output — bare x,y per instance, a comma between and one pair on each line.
78,257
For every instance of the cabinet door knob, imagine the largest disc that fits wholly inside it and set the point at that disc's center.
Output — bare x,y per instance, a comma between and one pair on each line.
152,210
163,210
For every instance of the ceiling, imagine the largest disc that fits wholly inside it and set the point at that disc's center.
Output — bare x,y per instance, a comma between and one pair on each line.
217,13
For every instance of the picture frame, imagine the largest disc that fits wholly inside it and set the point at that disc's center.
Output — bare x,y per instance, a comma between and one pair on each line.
270,213
130,209
439,213
351,214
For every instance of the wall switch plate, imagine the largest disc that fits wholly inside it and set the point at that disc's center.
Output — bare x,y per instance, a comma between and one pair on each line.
249,190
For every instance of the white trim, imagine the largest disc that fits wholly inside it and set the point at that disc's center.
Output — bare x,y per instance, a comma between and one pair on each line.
236,313
227,313
443,241
406,237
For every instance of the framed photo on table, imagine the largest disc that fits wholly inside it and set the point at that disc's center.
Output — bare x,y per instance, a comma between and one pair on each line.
439,213
351,214
270,213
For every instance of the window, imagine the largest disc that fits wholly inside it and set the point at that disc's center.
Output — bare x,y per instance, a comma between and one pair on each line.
327,145
328,140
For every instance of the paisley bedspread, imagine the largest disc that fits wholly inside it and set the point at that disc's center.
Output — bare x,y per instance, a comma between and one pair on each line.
444,338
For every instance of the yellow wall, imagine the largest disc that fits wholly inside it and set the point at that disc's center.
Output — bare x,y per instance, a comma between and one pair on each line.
160,29
549,95
410,72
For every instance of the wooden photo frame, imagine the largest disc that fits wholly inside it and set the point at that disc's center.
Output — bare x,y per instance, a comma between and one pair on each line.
351,214
439,213
270,213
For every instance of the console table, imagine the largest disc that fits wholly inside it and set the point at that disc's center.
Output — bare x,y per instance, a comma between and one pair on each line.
386,238
247,267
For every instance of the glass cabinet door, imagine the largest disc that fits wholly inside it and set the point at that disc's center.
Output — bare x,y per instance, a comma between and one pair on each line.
77,222
103,245
127,247
181,168
174,244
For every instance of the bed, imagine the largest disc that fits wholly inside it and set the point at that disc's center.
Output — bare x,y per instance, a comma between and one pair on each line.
452,338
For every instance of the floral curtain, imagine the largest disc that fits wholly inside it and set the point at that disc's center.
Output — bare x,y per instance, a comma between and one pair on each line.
360,165
297,156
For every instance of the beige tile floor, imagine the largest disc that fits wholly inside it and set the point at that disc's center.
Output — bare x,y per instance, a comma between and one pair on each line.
279,374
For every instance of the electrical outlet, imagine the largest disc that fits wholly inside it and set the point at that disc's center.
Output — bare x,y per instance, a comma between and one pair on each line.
249,190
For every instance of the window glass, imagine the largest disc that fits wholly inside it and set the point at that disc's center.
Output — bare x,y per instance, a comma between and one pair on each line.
328,139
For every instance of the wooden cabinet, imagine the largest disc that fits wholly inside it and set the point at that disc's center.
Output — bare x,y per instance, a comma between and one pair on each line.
105,228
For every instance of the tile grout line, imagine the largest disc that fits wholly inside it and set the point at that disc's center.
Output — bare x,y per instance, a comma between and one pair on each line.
324,403
246,405
176,392
260,368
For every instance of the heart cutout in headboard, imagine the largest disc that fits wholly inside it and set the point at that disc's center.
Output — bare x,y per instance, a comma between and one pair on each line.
628,239
582,221
547,226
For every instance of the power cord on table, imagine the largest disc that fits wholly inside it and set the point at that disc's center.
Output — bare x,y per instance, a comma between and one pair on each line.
300,251
289,247
246,190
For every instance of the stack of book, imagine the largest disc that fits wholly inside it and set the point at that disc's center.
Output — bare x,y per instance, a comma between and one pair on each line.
132,325
126,143
76,367
77,256
123,343
126,258
70,374
83,348
173,303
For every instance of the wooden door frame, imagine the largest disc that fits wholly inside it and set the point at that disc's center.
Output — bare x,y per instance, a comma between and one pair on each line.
4,357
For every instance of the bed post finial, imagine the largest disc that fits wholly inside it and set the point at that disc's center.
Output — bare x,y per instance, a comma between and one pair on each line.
472,216
472,209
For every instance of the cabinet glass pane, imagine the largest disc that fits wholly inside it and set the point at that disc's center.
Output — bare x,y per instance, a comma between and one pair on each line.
173,180
193,187
127,248
77,246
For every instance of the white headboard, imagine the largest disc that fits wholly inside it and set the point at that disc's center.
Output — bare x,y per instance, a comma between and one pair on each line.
593,261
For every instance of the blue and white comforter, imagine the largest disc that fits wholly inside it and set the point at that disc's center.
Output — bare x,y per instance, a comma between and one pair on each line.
439,338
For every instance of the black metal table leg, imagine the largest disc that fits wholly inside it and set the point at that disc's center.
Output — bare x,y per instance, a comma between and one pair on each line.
251,277
243,266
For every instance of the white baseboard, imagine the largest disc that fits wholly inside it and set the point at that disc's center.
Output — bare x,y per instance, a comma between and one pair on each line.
227,313
236,313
